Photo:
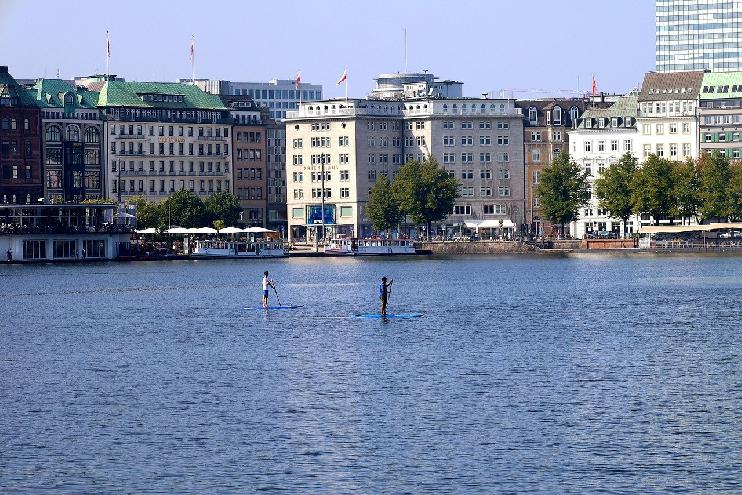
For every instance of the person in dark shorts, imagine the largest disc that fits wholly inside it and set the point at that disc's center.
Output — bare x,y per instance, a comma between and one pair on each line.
385,288
267,282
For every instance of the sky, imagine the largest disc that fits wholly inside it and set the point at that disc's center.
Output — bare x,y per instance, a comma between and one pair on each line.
531,48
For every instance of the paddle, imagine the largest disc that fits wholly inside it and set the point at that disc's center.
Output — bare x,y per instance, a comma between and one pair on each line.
276,292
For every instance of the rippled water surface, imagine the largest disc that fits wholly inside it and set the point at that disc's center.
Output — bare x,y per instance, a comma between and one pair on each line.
574,375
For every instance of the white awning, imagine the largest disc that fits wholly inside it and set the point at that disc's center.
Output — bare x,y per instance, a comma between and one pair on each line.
673,229
489,224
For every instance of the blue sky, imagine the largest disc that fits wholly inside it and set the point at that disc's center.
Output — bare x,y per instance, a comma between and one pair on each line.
489,45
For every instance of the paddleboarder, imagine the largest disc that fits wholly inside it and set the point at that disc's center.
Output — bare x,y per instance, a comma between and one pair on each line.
267,282
385,289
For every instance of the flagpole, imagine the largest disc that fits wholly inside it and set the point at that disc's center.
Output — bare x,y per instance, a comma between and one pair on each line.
108,56
193,60
346,85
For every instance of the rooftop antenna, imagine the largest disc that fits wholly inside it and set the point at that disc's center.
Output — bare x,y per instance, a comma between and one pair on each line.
405,50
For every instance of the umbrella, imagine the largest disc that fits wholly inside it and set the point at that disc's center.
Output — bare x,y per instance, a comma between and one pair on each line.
257,230
230,230
150,230
205,230
177,230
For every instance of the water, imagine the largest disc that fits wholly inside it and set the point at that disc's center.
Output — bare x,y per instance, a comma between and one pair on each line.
572,375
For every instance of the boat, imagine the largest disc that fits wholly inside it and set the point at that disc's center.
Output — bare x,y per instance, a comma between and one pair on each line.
264,248
375,246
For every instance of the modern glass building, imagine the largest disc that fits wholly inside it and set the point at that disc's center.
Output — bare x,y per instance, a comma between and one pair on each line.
698,35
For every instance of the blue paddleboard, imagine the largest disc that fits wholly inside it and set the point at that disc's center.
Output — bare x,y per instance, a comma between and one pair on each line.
287,306
388,316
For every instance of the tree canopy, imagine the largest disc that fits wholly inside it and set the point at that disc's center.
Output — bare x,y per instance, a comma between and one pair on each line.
651,188
714,174
563,190
382,208
613,188
223,206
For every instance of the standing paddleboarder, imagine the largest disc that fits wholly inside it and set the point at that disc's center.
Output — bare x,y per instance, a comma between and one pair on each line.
385,289
267,282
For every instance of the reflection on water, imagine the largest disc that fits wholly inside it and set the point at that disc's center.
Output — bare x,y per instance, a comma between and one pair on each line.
573,375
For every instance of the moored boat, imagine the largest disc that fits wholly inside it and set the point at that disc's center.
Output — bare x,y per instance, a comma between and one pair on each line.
344,246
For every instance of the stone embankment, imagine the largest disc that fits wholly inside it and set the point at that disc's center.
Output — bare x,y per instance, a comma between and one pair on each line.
478,247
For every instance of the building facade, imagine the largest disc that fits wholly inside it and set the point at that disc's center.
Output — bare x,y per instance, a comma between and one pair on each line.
72,137
545,134
277,95
720,114
249,158
667,122
276,162
164,137
347,144
698,35
600,138
21,172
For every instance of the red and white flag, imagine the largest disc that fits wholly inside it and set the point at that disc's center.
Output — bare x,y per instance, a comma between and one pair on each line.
343,78
108,45
595,86
193,49
297,81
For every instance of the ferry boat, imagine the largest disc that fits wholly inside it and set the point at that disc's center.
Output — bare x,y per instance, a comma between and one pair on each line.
344,246
266,248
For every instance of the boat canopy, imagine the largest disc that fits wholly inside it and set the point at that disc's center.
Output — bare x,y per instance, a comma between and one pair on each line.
677,229
489,224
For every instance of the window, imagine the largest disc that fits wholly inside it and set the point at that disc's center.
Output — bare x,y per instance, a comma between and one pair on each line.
503,174
627,144
53,134
503,140
503,191
659,129
647,150
536,155
73,133
462,210
503,125
485,140
614,145
660,150
344,175
556,115
535,135
467,174
344,192
467,125
447,124
467,141
588,146
485,125
673,128
448,141
535,177
449,157
673,150
467,157
686,128
647,129
485,157
485,192
532,115
601,145
686,149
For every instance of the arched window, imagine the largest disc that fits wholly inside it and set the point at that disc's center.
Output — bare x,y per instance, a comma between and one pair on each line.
557,115
482,108
574,114
13,124
445,108
492,107
53,134
73,133
502,107
532,115
92,135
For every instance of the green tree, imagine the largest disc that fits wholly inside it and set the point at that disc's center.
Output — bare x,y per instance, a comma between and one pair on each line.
218,225
149,213
651,188
425,192
382,207
613,188
734,192
563,190
99,201
223,206
684,189
714,175
184,208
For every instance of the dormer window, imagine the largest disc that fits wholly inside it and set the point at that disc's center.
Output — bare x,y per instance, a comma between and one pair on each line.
532,115
557,115
574,114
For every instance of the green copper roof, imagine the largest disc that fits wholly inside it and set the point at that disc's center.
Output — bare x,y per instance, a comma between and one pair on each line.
146,95
10,87
721,85
625,106
51,93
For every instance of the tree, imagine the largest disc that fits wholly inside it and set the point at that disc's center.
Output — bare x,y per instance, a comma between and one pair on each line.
382,208
218,225
651,188
563,190
614,188
184,208
713,176
223,206
425,192
734,192
149,214
99,201
684,189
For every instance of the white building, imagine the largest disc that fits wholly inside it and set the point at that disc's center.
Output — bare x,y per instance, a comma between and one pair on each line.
698,35
667,122
601,137
479,141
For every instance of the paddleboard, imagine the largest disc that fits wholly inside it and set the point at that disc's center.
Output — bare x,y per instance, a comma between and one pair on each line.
389,316
287,306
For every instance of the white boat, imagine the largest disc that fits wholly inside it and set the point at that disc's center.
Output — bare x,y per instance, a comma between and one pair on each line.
240,249
345,246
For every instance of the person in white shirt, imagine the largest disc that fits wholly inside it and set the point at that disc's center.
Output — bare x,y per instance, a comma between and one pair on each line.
267,282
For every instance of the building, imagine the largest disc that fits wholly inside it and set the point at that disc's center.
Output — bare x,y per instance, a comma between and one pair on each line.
277,95
72,137
277,218
698,35
347,144
546,124
667,123
600,138
21,173
720,114
164,137
414,85
249,158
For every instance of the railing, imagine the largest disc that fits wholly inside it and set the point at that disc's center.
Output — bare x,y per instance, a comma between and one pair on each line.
212,138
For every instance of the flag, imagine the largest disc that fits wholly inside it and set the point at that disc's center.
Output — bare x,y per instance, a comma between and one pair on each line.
108,45
343,78
193,49
297,81
595,86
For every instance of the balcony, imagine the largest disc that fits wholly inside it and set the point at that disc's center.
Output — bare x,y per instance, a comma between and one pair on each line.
213,138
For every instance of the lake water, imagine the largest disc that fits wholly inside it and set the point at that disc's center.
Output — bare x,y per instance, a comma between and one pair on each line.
586,374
